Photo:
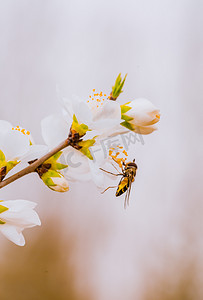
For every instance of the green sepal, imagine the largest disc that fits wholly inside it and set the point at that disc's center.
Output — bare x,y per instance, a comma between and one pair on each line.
117,88
87,153
48,181
85,147
46,177
127,125
2,156
80,128
60,166
125,108
3,208
126,118
10,165
57,155
55,165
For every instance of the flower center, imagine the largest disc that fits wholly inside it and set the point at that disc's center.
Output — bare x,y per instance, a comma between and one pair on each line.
22,130
96,100
118,154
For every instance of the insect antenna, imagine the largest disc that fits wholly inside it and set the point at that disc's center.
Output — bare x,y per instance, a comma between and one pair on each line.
115,167
111,172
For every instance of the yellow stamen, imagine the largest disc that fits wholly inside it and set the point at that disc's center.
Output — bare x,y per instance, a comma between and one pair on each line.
126,154
97,99
116,156
22,130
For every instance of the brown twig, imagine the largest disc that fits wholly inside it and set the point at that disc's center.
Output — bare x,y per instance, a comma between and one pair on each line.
31,168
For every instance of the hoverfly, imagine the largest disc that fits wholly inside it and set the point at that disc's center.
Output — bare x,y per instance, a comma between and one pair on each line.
128,176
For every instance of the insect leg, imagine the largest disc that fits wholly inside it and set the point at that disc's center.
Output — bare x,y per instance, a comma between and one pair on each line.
110,187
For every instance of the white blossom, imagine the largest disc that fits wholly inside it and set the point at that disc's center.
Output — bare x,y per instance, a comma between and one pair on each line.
14,141
15,216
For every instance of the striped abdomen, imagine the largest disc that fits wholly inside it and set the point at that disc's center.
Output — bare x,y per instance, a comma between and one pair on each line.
123,186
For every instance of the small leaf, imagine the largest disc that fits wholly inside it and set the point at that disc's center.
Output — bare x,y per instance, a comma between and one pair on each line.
117,88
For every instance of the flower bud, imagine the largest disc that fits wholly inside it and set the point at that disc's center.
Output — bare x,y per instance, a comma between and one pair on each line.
140,115
55,181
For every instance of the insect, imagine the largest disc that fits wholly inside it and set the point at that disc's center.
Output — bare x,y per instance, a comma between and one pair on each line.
128,176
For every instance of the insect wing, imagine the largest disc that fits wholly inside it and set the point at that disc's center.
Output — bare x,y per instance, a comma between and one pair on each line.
128,191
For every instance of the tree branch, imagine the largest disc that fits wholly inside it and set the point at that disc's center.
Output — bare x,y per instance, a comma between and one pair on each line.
31,168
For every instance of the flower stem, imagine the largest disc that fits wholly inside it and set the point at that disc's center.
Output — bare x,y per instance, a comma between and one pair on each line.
31,168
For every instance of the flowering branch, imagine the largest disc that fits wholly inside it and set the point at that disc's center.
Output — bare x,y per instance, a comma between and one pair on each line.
32,167
97,117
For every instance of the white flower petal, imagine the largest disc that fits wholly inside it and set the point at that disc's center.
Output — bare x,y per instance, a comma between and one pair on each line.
61,184
18,205
13,234
110,110
97,174
5,126
79,108
83,113
78,166
35,152
20,215
54,130
26,218
144,129
16,144
68,107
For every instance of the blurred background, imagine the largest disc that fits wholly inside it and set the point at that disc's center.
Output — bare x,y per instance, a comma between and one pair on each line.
88,246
